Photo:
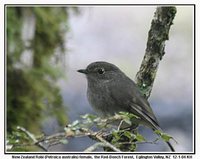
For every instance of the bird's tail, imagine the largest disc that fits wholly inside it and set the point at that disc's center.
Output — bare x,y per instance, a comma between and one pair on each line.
150,121
170,146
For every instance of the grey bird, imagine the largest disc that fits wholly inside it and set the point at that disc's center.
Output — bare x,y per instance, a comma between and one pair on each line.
110,91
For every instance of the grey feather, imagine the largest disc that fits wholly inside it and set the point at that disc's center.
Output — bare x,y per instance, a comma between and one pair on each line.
111,91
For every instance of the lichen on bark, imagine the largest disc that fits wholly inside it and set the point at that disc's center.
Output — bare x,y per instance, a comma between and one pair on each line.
155,50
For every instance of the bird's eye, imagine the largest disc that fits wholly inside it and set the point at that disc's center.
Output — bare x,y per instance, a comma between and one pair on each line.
101,71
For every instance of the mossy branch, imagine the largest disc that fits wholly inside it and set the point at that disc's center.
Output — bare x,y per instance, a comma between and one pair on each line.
155,50
108,136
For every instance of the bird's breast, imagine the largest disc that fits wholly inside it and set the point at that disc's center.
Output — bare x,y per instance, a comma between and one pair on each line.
100,99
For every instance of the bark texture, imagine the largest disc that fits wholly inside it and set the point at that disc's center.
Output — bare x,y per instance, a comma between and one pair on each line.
155,49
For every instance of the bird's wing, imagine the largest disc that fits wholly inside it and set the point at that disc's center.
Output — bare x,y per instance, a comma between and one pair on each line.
132,100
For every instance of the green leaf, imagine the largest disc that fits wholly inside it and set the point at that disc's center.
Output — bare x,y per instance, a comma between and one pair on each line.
64,141
166,137
132,116
128,134
75,123
126,120
123,113
128,116
140,138
158,132
89,116
116,135
133,147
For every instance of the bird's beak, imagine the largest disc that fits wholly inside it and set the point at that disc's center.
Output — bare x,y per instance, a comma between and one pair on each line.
82,71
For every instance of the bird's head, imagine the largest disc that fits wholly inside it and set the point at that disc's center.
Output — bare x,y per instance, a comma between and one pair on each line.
101,71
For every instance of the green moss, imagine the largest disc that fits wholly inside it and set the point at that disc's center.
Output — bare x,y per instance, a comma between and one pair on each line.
32,94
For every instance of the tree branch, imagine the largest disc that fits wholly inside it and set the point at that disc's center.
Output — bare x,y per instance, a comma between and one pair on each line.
158,34
32,137
102,140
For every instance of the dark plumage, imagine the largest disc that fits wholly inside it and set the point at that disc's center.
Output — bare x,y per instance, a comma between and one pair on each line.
111,91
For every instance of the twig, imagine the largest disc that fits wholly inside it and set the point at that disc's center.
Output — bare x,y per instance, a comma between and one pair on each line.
107,144
57,135
32,137
94,147
55,139
120,124
97,136
148,142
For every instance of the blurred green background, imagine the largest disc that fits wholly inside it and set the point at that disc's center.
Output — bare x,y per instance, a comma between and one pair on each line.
34,64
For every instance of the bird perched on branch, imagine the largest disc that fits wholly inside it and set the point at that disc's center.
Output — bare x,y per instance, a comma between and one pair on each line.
110,91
